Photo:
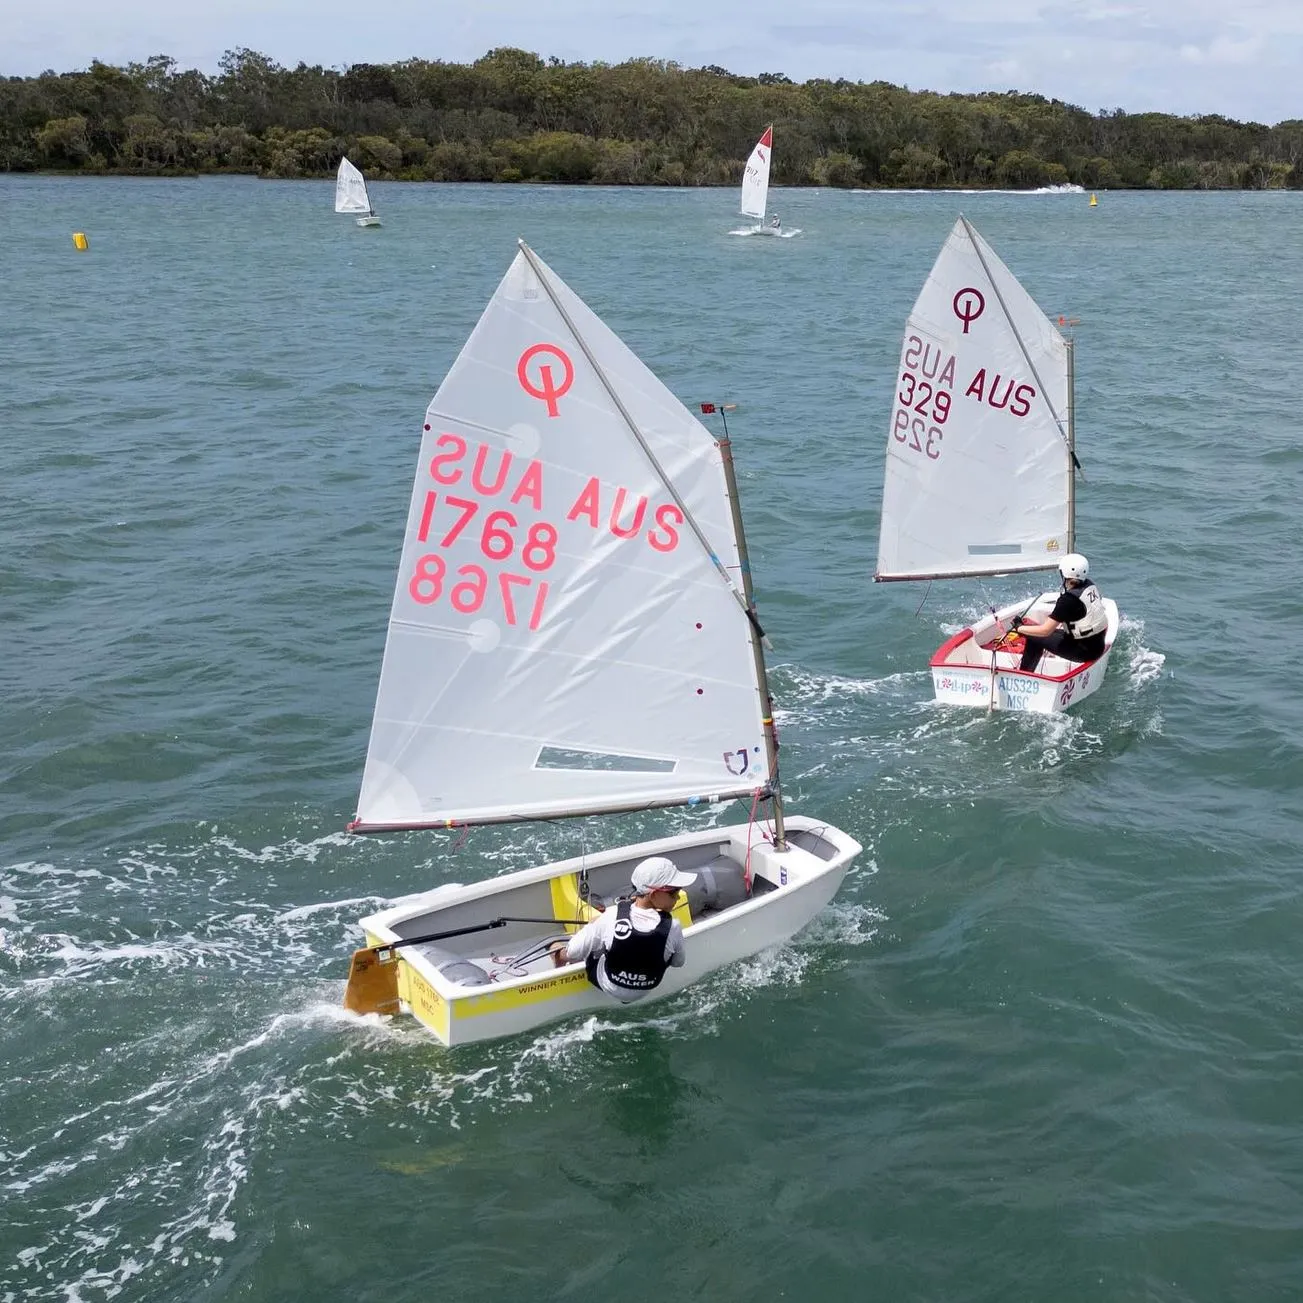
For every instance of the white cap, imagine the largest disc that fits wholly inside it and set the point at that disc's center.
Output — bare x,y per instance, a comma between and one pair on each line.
659,872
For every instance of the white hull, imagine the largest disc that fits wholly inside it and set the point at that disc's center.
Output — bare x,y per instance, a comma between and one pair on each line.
967,671
788,890
368,219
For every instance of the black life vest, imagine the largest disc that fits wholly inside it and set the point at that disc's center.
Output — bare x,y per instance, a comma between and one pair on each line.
635,961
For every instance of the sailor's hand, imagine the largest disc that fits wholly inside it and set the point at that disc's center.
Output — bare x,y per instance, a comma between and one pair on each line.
1016,623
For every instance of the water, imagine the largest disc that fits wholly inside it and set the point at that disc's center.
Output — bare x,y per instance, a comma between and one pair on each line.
1045,1043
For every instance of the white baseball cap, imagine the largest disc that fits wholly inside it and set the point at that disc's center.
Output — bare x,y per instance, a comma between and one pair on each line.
657,871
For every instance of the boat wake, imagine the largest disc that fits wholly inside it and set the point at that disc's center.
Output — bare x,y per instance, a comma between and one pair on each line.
785,234
709,1005
230,1043
809,697
1066,189
1144,665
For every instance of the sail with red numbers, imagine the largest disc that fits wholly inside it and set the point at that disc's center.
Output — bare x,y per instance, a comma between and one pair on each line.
567,635
979,472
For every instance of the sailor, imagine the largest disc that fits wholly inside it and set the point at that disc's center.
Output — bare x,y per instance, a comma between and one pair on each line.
776,222
628,949
1076,627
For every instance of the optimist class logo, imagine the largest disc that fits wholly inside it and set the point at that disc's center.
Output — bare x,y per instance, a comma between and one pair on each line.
969,304
546,390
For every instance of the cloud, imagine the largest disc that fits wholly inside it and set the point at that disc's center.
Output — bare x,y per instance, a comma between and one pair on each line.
1224,50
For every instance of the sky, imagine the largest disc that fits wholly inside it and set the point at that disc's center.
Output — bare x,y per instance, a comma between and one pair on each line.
1243,60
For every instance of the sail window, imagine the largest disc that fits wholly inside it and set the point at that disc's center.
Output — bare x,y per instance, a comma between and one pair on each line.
561,758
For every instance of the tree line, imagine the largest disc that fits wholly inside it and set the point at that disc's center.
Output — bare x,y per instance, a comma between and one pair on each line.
513,116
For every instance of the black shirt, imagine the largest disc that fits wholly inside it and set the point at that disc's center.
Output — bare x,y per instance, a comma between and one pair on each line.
1070,607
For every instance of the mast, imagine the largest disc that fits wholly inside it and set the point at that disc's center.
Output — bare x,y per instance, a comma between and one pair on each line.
758,634
1072,443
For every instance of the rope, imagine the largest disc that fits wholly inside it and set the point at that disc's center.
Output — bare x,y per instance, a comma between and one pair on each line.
751,823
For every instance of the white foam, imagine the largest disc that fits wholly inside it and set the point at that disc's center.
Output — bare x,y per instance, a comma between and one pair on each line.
1143,663
96,953
292,849
91,1209
785,234
38,868
804,687
300,912
1067,189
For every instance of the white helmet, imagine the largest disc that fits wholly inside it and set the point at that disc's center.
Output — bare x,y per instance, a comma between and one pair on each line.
1074,566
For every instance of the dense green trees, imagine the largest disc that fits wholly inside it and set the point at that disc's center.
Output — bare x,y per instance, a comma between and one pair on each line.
511,116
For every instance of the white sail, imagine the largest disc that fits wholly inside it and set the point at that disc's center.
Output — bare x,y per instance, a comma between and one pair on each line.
561,639
979,472
350,190
755,180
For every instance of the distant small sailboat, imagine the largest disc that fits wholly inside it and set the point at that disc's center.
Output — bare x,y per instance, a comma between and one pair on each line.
351,196
755,186
981,472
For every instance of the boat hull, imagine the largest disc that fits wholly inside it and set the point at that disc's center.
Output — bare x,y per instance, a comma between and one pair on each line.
370,219
789,889
968,671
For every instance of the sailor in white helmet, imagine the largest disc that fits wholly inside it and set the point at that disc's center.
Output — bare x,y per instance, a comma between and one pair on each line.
630,947
1076,626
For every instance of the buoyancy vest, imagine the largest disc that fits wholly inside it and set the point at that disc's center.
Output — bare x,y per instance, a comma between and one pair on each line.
1096,618
635,961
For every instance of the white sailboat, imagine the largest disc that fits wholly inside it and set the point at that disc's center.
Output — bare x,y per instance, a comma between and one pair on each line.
351,196
981,471
755,188
567,638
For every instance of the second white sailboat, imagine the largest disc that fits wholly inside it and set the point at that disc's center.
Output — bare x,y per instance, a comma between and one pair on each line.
981,473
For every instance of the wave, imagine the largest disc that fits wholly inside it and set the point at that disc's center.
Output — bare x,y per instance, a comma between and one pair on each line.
785,234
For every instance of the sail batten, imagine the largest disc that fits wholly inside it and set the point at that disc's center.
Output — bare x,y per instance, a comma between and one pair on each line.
559,588
978,471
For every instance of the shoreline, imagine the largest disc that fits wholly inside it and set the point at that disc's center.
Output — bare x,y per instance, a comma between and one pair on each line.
182,175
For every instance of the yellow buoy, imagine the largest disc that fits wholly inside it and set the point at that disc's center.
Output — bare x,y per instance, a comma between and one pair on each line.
1093,201
79,241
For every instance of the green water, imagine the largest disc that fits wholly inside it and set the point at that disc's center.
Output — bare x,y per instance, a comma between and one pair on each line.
1044,1045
